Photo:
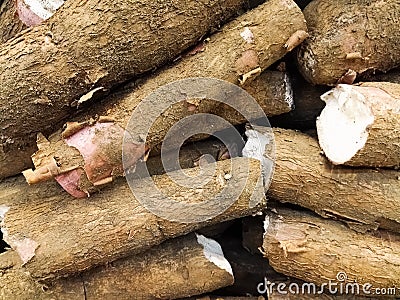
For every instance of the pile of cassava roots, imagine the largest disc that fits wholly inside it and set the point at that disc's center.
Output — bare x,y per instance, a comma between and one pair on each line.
90,91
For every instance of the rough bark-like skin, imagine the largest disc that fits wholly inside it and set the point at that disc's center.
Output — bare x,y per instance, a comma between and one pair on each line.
218,58
365,198
75,234
17,284
10,24
382,148
315,250
266,87
86,45
348,34
177,268
253,231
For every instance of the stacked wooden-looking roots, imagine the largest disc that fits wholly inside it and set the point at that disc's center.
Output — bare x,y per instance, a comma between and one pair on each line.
323,71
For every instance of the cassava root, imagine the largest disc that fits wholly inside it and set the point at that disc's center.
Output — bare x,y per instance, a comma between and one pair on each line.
316,250
113,224
348,38
364,198
71,58
253,51
180,267
360,125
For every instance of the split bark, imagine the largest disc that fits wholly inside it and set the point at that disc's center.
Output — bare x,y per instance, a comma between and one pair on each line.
56,64
364,198
317,250
360,125
271,90
348,38
180,267
66,235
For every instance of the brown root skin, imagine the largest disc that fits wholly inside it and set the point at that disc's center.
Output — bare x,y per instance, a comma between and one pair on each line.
112,224
267,283
272,89
314,249
357,35
179,266
212,62
303,176
360,125
84,62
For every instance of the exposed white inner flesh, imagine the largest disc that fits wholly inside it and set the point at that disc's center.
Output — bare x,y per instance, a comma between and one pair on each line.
213,252
266,225
255,148
44,8
289,91
3,210
343,124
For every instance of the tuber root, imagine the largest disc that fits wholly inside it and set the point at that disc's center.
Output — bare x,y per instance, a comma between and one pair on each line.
55,63
349,35
319,250
271,89
114,223
181,267
363,198
360,125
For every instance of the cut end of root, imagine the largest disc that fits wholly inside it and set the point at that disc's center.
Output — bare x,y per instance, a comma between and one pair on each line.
213,252
260,146
34,12
343,124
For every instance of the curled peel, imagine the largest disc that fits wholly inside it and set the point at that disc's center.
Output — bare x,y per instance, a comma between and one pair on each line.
85,156
295,39
101,148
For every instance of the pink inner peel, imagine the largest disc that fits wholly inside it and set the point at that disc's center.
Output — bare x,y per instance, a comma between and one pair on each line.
91,142
27,16
70,182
